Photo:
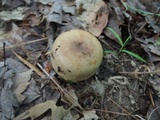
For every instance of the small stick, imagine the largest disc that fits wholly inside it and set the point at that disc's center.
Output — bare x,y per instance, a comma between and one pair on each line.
60,88
139,73
4,53
24,43
121,107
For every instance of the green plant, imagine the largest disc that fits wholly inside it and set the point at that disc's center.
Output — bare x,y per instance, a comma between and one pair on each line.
142,12
123,44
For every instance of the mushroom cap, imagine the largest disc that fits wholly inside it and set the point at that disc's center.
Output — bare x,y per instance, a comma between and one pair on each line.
76,55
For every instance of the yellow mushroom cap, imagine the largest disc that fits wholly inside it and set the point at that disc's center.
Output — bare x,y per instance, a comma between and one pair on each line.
76,55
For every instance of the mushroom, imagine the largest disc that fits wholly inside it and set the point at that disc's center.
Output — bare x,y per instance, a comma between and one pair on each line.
76,55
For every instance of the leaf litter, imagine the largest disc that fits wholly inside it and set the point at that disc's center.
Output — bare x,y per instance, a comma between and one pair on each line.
119,90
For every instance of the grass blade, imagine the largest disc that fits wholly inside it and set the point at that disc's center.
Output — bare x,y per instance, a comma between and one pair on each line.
142,12
126,41
116,35
110,52
134,55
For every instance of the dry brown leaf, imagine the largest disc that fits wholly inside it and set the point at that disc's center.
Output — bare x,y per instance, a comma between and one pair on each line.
32,92
72,97
7,99
19,90
21,84
55,14
89,115
16,14
93,15
12,37
58,113
30,65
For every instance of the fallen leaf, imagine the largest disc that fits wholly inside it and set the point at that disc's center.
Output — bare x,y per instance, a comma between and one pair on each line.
93,15
121,80
20,84
1,64
55,14
155,82
89,115
10,5
12,37
16,65
98,87
16,14
57,113
7,103
116,18
151,48
153,23
7,99
68,7
147,8
71,96
46,2
32,92
30,65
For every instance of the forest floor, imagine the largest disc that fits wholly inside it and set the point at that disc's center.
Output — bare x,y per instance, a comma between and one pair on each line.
127,84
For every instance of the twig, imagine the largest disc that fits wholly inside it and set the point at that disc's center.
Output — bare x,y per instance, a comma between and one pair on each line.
106,44
141,27
153,112
122,108
151,98
72,100
24,43
139,73
118,113
4,53
112,112
139,117
29,65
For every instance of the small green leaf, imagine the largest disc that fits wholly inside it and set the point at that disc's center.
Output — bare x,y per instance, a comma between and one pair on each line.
134,55
117,36
110,52
122,47
142,12
126,41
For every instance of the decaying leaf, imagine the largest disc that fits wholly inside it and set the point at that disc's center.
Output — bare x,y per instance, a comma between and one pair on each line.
11,4
93,14
55,14
30,65
155,83
147,8
12,37
21,83
72,97
16,65
58,113
121,80
98,87
151,48
46,2
7,103
68,7
153,112
16,14
116,18
32,92
89,115
7,99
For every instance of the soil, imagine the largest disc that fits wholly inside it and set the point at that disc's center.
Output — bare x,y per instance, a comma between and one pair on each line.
124,87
